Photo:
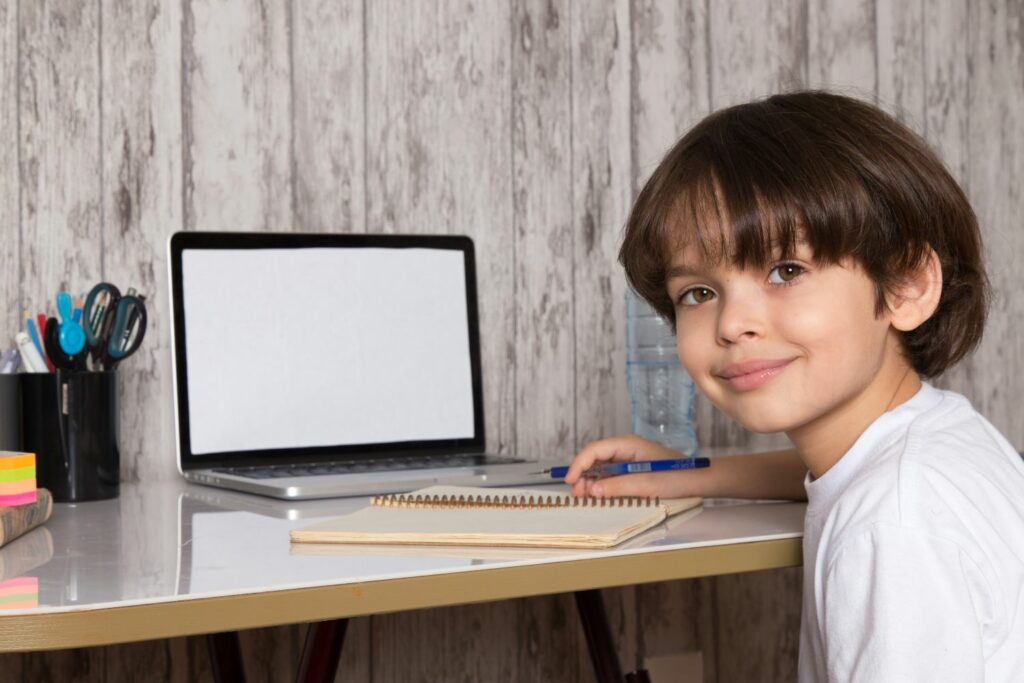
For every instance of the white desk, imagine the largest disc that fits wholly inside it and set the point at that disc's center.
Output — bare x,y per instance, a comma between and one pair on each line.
175,559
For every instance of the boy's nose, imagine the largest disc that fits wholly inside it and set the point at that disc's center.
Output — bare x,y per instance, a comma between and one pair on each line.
739,318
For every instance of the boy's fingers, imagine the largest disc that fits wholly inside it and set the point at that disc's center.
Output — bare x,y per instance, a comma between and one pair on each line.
644,485
617,448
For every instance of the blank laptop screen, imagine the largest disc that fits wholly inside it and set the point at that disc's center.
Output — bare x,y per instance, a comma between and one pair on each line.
297,348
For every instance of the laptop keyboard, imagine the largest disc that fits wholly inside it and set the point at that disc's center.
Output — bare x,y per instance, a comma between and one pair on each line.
419,462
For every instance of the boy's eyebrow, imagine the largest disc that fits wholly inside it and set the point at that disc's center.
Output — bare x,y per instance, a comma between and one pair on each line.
680,271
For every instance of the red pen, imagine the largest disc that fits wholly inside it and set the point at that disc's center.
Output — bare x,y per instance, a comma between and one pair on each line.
41,319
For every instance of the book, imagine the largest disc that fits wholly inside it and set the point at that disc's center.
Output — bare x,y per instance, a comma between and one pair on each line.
19,519
460,515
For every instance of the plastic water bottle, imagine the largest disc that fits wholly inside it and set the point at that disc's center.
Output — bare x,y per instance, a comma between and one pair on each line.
660,391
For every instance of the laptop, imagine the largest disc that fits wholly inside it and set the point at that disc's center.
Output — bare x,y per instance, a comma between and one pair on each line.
318,366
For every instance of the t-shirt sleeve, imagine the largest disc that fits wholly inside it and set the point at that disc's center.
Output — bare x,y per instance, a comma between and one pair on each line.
900,605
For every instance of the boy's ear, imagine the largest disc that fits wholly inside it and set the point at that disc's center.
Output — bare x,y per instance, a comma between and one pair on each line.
915,299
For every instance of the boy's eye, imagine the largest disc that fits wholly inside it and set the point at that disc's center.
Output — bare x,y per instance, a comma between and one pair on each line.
696,295
785,272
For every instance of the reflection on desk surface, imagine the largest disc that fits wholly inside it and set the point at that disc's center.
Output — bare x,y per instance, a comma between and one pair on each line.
168,540
24,554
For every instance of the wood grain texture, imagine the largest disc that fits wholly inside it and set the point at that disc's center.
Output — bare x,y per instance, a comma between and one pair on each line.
757,626
841,46
946,79
519,640
141,200
546,634
63,665
237,115
995,96
271,654
542,223
900,59
328,125
61,172
601,169
945,125
161,660
756,49
670,80
10,225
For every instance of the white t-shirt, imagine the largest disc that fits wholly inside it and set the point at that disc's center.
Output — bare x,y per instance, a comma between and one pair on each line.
914,552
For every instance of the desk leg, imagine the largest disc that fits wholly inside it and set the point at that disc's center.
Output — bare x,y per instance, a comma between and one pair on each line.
599,640
322,651
226,657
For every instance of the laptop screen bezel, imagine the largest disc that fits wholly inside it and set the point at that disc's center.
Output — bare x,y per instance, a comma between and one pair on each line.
180,242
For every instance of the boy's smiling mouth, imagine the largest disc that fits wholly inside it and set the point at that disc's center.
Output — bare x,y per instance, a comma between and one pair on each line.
751,374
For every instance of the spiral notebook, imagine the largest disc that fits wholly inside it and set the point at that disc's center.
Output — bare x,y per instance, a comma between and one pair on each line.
458,515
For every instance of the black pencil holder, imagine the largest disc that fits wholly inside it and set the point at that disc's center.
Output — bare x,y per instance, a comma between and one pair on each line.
10,413
69,420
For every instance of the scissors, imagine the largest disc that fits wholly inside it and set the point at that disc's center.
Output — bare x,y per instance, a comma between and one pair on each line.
115,324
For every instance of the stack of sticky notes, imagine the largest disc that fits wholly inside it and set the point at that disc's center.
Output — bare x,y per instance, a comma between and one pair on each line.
17,478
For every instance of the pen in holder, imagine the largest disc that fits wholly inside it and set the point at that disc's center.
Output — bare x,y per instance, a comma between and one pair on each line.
69,420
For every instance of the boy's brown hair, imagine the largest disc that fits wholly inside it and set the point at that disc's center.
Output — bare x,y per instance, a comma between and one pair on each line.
832,170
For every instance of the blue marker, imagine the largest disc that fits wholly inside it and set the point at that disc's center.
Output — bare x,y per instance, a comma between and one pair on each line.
612,469
37,341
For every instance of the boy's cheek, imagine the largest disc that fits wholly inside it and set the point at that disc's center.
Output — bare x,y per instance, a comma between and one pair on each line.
697,367
697,346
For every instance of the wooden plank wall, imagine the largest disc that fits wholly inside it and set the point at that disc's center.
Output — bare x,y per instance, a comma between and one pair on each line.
528,125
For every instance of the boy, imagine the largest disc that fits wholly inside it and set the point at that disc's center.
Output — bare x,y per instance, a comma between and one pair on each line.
817,261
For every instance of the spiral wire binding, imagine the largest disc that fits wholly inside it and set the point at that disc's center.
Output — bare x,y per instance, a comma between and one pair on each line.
402,500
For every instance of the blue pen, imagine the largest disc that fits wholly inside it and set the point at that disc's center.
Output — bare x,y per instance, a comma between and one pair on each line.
34,335
612,469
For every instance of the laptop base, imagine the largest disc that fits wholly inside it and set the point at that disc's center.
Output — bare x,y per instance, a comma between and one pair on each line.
375,482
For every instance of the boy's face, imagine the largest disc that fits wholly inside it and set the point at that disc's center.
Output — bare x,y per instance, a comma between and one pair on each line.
782,347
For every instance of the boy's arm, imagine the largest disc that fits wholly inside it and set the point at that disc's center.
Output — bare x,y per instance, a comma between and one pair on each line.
774,474
769,475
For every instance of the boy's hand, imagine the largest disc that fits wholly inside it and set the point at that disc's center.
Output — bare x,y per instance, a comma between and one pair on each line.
624,448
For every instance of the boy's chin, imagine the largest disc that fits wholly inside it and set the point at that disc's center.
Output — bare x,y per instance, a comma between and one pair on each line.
763,423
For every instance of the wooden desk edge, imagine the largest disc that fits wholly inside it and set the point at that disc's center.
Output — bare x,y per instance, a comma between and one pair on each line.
105,626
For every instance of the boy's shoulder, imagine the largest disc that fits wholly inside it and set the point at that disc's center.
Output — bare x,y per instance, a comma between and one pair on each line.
940,465
943,432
